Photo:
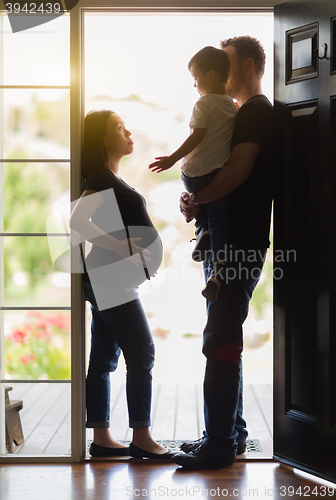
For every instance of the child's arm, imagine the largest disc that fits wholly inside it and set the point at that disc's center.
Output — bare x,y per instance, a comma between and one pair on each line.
165,162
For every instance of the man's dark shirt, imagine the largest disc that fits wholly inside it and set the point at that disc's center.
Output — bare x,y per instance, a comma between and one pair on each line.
251,204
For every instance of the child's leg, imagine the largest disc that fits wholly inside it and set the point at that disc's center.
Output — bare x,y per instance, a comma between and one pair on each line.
192,185
217,220
217,216
202,246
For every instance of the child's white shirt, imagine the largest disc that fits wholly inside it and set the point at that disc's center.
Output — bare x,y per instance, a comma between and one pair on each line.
216,113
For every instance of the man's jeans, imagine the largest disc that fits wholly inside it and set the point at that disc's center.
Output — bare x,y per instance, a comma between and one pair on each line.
125,328
213,216
223,346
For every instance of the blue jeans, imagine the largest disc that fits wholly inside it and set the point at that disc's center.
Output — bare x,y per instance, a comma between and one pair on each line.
213,216
121,328
223,346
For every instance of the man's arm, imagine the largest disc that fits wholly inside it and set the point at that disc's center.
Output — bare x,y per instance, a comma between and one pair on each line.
232,175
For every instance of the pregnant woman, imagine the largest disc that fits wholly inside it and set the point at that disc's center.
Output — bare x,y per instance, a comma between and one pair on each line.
126,249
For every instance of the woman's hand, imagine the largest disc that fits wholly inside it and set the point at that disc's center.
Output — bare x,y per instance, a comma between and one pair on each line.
129,250
188,208
162,163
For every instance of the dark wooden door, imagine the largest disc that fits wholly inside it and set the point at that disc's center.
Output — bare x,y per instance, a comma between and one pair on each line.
305,237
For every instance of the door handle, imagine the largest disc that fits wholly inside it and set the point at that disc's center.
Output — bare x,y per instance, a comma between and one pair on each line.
325,48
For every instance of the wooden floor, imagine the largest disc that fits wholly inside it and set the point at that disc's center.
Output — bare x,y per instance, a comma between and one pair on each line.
177,414
131,479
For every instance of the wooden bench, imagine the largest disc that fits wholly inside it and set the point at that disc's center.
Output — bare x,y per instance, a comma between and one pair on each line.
14,434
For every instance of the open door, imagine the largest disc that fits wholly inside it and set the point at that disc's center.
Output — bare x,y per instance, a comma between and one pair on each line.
305,237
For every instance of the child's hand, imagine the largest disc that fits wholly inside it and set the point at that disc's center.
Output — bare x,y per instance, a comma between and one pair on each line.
162,163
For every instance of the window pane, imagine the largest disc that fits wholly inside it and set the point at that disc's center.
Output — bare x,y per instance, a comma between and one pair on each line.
45,418
30,277
37,345
36,123
40,56
32,192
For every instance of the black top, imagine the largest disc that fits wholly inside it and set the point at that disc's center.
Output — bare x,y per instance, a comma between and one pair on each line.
130,214
251,204
132,205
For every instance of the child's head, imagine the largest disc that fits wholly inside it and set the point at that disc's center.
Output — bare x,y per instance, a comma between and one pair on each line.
212,59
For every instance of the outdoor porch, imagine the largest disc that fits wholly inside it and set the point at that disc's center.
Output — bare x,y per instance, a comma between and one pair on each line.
177,415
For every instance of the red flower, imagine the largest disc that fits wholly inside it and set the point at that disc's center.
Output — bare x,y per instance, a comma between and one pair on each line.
42,324
24,359
58,320
18,336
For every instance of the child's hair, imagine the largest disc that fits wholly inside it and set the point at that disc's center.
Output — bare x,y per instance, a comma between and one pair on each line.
247,46
94,155
210,58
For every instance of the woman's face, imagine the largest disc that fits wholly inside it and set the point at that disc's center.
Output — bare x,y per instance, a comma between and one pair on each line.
117,139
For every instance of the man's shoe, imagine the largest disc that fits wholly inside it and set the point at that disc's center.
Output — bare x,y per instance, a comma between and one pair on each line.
189,446
205,457
104,451
202,246
241,447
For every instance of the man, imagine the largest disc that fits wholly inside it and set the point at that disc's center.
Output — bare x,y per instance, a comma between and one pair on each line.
248,179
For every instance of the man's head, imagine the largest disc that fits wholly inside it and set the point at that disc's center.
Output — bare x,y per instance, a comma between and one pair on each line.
247,57
210,62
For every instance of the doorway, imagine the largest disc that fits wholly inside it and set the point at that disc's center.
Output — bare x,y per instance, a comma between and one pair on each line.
136,65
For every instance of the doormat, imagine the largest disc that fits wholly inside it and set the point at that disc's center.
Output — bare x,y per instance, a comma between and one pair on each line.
252,445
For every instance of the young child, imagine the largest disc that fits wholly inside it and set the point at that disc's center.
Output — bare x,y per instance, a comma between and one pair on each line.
204,153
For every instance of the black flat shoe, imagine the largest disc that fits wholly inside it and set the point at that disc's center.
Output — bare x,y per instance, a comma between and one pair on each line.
136,452
204,457
103,451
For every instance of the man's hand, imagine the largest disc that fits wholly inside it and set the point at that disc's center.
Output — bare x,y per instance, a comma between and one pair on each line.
188,208
162,163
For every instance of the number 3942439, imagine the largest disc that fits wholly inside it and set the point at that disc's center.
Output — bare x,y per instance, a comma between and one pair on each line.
33,8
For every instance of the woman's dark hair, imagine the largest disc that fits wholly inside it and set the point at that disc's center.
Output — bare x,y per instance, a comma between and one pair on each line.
248,47
94,155
210,58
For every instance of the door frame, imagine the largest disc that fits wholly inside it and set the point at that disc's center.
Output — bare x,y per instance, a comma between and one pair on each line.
77,107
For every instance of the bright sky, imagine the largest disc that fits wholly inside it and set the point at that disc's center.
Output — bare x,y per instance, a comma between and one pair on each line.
148,54
127,54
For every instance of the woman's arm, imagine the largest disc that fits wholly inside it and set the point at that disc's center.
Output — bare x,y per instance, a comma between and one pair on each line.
80,221
232,175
